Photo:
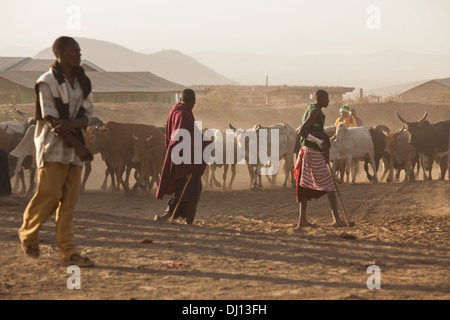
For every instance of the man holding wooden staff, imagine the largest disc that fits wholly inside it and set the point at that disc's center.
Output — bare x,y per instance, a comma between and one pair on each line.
314,178
181,179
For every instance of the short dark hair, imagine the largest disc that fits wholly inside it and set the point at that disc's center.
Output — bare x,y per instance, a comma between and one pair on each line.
60,44
188,96
320,92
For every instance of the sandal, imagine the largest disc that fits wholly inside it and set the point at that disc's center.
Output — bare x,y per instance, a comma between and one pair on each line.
342,224
78,260
164,217
306,225
31,250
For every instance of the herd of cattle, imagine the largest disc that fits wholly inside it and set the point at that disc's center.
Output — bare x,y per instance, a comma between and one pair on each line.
127,146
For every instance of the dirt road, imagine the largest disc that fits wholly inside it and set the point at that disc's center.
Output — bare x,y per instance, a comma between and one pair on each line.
243,246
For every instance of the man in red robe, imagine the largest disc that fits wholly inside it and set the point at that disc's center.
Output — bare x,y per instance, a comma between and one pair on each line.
181,179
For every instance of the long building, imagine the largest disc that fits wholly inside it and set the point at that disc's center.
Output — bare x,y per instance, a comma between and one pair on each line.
276,96
29,64
18,77
433,92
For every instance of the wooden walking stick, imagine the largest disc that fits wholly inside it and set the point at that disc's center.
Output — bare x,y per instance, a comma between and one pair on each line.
339,194
189,176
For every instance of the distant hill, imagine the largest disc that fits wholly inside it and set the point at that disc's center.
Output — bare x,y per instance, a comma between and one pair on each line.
384,73
168,64
335,67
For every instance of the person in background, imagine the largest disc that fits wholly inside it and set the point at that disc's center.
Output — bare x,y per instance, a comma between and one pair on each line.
358,120
345,117
183,179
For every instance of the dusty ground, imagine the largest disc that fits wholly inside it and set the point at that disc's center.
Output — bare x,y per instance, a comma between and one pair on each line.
243,245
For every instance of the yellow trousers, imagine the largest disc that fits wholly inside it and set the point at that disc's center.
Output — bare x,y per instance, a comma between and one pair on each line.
57,190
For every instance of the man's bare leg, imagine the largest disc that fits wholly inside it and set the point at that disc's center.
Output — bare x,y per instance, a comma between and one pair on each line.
302,222
334,209
337,222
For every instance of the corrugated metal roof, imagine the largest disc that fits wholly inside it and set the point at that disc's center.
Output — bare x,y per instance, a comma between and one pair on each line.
131,82
308,89
91,65
25,79
30,64
105,82
8,62
445,81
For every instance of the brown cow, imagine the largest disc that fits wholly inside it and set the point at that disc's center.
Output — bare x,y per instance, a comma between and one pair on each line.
401,152
430,140
150,153
115,142
91,132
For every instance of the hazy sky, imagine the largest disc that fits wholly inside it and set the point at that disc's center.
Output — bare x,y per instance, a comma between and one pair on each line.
282,27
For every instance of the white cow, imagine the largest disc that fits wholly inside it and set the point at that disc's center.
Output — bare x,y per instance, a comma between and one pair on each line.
286,144
24,149
220,158
352,144
13,126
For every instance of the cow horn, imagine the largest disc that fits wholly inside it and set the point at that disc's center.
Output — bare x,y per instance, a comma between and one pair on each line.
134,137
401,119
403,129
231,126
423,118
149,138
